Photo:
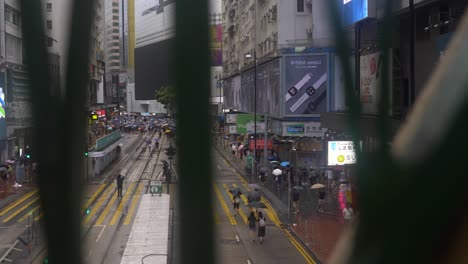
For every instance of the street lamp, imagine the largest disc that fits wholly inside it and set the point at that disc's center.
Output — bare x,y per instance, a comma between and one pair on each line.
254,163
293,148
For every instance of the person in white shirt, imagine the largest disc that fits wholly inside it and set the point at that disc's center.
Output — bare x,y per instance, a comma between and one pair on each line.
348,213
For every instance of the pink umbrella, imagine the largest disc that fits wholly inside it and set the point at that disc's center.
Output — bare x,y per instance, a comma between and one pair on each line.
240,147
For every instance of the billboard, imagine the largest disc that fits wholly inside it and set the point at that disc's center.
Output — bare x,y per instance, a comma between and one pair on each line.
268,88
231,118
341,153
371,82
216,39
306,81
153,68
154,21
357,10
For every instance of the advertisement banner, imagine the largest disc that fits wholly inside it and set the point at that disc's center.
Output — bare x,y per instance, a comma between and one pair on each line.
341,153
268,91
231,118
245,124
260,144
306,84
232,93
216,39
371,86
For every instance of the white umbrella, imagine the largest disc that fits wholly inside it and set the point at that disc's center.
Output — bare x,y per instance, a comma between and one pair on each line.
317,186
277,172
240,147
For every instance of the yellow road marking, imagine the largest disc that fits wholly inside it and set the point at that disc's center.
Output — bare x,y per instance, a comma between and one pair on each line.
122,203
39,216
241,212
97,205
274,217
92,198
106,209
20,210
11,206
224,205
128,218
29,213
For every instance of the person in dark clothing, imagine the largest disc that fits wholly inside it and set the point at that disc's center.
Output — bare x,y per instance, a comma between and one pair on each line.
120,180
321,201
252,221
295,199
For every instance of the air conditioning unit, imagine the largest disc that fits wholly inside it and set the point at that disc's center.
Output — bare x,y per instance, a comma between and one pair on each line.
310,30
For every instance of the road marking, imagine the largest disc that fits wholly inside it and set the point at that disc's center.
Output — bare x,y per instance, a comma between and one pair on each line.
224,205
274,217
106,210
122,203
248,261
100,233
128,218
241,212
93,197
11,206
98,204
20,210
237,239
29,213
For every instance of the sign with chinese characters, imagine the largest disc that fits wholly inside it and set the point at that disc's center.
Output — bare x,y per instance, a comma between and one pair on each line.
260,144
303,129
341,153
231,118
232,130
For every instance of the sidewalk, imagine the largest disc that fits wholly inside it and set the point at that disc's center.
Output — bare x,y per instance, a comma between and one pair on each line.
319,232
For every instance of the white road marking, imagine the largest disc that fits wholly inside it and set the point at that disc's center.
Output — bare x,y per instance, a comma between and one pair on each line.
90,253
100,234
248,261
237,238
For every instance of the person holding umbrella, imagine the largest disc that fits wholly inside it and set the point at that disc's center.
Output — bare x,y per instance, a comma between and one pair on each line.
252,222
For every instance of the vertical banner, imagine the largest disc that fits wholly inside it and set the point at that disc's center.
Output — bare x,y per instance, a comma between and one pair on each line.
371,87
216,39
306,84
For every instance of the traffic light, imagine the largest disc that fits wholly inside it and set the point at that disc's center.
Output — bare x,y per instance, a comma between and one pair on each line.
46,260
28,156
88,211
170,152
86,153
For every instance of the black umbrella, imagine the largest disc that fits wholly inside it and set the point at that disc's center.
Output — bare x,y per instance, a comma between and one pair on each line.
235,191
254,196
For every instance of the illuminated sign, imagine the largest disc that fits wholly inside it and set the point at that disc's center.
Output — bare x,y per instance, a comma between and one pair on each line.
341,153
2,104
357,10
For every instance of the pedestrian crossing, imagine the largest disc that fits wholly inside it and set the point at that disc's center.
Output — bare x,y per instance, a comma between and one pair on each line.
224,199
104,207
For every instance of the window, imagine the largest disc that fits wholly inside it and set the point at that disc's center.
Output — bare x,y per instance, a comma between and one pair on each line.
115,4
49,7
49,24
116,24
300,6
13,47
50,42
12,15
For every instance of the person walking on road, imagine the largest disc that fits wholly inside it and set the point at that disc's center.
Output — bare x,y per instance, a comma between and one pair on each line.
252,220
120,180
321,201
261,226
348,213
236,203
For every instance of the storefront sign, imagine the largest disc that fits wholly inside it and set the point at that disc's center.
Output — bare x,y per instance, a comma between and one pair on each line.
231,118
246,124
232,130
306,84
260,144
371,86
303,129
341,153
